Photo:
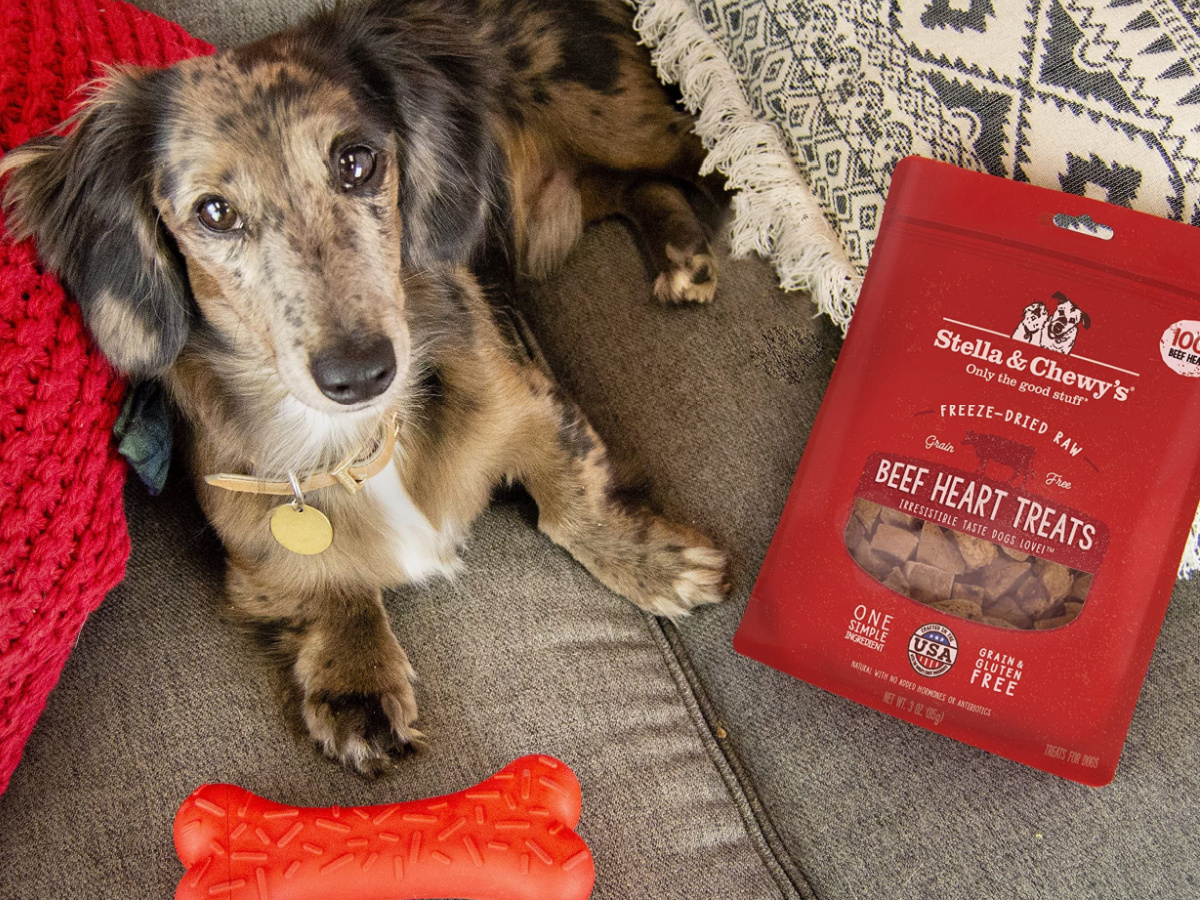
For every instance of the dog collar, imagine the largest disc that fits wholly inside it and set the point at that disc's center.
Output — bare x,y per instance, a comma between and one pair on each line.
350,473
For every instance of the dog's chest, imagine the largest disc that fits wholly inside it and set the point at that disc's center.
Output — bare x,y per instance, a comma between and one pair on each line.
421,550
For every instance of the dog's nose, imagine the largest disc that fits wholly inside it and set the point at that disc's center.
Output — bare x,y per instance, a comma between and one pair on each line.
356,370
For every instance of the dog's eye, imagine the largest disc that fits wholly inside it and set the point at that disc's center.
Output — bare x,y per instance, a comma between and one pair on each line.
356,165
217,214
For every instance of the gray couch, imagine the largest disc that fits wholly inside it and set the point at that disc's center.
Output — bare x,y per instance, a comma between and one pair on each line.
704,774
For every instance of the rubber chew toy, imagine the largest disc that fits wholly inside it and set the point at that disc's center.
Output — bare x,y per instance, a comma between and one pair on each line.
508,838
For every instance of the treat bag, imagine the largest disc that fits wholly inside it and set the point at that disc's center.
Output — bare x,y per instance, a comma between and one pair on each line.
987,522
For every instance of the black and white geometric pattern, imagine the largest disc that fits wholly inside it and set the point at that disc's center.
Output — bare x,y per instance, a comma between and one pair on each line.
1094,97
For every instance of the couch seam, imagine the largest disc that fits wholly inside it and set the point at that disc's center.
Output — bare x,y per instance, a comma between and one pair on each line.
787,875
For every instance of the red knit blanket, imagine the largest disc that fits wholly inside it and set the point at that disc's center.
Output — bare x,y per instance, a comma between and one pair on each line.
63,541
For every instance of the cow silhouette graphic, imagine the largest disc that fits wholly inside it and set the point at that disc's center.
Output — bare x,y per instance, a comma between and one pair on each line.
991,448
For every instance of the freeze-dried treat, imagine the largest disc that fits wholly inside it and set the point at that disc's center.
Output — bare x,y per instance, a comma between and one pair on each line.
895,543
1001,576
976,552
937,550
897,518
928,582
1055,578
1007,608
874,563
965,591
897,582
867,512
857,534
1081,586
1033,598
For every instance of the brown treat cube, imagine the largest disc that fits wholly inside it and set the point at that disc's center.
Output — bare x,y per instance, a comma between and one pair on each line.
859,545
964,609
976,552
866,512
928,583
1056,579
897,518
856,534
1071,608
1033,598
937,550
871,562
963,591
997,621
1018,555
1009,610
1081,585
897,582
1001,576
895,543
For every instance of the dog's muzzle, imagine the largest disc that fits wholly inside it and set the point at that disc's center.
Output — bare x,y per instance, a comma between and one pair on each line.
354,371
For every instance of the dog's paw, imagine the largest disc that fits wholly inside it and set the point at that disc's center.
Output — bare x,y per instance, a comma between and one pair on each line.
690,278
369,732
677,570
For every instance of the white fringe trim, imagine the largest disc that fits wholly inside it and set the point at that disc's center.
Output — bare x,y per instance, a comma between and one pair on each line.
775,213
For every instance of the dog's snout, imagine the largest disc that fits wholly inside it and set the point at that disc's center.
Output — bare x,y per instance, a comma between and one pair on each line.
355,371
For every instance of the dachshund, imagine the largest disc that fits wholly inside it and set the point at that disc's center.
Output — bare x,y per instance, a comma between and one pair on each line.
306,241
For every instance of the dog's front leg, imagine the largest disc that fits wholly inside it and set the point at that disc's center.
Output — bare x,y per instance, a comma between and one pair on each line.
352,677
663,567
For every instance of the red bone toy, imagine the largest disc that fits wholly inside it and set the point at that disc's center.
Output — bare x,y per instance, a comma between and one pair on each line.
508,838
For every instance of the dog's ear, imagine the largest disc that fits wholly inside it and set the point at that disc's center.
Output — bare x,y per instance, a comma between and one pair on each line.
1086,321
86,198
452,172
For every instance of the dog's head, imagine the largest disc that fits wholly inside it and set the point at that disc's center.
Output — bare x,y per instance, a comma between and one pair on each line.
1035,316
1066,319
276,199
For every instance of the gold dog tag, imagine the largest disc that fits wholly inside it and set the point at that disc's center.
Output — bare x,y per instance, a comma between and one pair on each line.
301,529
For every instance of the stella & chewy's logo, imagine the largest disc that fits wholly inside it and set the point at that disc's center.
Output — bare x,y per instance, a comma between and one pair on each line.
932,650
1055,329
1052,325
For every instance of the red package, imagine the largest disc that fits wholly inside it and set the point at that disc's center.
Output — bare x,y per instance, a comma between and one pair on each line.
987,522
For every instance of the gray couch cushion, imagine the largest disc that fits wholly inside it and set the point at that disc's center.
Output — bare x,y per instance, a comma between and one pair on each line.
525,652
717,412
229,23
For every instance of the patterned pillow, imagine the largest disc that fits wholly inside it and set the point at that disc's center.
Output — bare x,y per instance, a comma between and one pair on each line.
1095,97
808,106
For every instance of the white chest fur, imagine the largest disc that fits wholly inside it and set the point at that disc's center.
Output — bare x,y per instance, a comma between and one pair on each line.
421,550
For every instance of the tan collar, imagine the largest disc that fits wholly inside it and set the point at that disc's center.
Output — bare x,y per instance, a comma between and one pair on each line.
349,473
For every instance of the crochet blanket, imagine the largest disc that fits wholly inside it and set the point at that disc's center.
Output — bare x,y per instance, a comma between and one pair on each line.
63,540
807,107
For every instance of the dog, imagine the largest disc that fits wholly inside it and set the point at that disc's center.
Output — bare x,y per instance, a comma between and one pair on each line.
1032,323
1062,329
305,240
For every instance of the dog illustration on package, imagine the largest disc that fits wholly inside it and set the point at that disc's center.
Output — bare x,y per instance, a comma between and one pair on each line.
1055,330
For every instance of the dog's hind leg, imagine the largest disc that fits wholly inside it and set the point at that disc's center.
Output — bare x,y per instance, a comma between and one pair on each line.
663,567
673,236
